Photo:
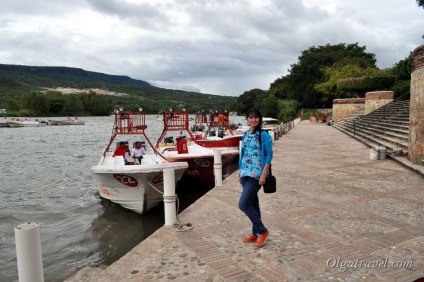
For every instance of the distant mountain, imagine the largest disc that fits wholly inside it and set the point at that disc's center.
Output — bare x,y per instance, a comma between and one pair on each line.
48,75
18,80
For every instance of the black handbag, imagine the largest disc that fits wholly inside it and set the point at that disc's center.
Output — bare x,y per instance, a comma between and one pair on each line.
270,185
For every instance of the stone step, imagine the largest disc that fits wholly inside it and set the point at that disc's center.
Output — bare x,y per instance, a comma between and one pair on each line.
398,126
384,128
394,130
387,126
373,140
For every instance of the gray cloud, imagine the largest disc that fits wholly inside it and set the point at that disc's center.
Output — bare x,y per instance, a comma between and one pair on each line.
211,46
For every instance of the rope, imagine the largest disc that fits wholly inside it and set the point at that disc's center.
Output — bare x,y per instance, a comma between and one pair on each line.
181,227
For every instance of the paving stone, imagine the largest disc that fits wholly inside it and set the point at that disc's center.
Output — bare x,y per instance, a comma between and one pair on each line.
336,216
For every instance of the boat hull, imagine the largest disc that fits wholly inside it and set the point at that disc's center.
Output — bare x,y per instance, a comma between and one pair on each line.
25,124
134,187
227,142
53,122
66,122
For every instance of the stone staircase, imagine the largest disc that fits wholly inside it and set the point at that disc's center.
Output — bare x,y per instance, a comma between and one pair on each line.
387,126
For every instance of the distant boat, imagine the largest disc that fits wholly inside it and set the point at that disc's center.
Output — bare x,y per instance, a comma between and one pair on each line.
25,123
268,122
74,121
4,124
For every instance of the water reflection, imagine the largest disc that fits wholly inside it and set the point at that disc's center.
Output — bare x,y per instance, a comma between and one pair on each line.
53,185
118,230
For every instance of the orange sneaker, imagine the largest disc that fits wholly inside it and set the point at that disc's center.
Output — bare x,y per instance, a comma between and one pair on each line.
262,239
250,238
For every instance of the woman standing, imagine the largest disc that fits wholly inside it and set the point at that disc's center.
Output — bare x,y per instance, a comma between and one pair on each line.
254,163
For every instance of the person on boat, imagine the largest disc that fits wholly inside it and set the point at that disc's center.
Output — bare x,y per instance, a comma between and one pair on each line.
181,145
138,151
121,150
221,118
254,163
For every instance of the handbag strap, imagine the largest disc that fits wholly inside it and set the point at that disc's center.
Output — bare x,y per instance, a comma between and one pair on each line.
270,170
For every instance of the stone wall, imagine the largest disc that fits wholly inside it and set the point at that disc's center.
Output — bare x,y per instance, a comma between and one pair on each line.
377,99
416,112
345,107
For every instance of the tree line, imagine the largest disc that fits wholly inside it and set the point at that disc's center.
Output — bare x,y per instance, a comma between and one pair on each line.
325,73
54,103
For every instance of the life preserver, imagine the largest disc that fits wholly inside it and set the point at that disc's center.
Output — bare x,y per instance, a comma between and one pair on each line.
182,146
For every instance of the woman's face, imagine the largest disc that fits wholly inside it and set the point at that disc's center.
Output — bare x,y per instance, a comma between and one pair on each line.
253,121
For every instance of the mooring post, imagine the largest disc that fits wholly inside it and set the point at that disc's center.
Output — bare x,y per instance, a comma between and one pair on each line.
169,197
217,164
28,252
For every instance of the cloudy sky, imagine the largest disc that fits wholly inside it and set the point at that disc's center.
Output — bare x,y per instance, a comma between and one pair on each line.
222,47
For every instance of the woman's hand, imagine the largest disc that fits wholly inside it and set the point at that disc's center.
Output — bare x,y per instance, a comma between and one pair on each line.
262,179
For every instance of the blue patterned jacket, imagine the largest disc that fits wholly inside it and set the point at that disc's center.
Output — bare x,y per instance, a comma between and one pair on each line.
266,155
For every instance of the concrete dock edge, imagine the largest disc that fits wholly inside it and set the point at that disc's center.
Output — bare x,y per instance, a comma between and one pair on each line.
337,215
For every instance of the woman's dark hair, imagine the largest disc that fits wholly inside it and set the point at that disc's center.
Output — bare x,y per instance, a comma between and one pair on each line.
256,113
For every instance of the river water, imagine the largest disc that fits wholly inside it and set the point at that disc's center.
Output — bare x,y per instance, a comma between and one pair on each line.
46,178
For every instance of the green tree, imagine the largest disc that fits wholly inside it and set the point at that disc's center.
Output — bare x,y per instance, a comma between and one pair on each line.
12,105
288,110
57,102
96,105
73,105
250,99
270,106
420,3
310,69
346,68
281,88
402,72
357,87
37,103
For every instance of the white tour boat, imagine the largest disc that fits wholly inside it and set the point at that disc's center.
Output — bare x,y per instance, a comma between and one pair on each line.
199,158
136,187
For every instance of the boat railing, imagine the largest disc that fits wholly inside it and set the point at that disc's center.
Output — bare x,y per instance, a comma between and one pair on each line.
214,121
175,121
130,123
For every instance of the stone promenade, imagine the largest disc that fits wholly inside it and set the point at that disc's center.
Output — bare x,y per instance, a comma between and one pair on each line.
336,216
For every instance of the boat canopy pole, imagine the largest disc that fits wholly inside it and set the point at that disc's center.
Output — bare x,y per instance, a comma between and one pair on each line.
129,123
214,120
175,121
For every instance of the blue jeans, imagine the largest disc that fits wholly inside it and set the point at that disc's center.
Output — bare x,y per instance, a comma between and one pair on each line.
249,204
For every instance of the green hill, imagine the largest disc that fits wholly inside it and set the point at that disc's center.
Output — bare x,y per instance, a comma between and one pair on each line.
16,81
65,77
